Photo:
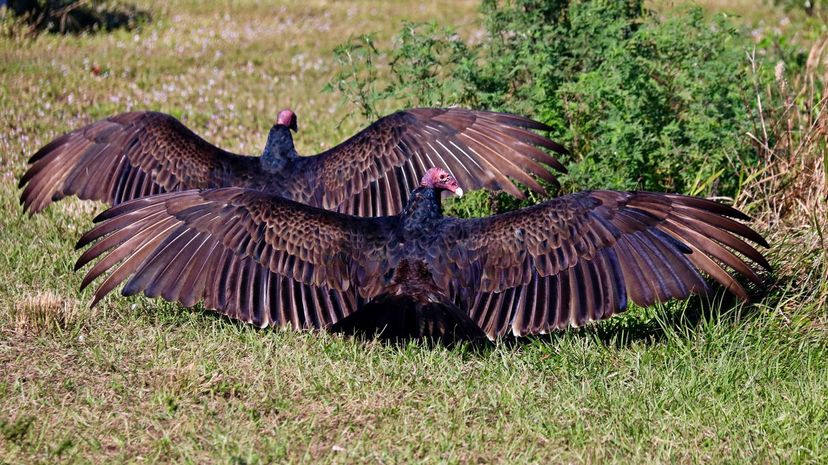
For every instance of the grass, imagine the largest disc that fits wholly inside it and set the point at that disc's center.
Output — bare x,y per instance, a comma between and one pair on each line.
139,380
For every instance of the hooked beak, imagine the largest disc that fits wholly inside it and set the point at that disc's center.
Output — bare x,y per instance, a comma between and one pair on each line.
456,190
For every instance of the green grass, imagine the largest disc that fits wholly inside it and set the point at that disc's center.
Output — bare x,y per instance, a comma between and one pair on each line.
142,380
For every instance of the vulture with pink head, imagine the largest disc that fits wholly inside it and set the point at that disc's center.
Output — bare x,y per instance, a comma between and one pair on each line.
132,155
267,260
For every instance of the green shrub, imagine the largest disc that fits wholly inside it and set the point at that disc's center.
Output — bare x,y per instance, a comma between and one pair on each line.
667,109
643,102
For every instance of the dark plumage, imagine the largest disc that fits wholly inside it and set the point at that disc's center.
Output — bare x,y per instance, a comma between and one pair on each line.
265,260
133,155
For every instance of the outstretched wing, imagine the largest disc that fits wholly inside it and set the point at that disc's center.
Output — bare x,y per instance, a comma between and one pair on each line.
582,257
250,255
124,157
374,172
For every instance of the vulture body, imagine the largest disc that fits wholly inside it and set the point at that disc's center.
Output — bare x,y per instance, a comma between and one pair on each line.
265,260
133,155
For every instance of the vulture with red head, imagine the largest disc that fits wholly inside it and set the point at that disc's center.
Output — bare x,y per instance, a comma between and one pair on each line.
133,155
267,260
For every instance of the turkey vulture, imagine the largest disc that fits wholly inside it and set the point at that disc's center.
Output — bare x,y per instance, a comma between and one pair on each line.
133,155
266,260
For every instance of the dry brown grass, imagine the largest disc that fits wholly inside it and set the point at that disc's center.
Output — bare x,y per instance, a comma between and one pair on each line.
789,193
41,313
791,140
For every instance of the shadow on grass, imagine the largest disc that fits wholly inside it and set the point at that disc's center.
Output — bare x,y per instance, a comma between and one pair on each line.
75,16
674,319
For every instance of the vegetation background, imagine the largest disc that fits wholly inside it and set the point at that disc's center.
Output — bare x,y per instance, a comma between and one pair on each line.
724,99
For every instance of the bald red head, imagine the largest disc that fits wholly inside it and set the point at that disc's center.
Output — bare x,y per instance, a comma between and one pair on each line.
287,118
438,178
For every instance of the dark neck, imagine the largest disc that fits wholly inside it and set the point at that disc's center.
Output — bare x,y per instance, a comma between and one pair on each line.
279,150
422,208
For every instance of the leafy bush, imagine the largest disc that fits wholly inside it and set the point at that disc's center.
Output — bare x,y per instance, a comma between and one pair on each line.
643,102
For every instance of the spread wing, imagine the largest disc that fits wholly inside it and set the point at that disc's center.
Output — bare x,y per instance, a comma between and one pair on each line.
374,172
247,254
124,157
266,260
582,257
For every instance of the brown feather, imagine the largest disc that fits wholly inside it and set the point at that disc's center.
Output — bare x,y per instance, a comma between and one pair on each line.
483,150
266,260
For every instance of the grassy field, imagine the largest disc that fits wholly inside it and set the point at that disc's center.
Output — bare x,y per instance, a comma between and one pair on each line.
138,380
